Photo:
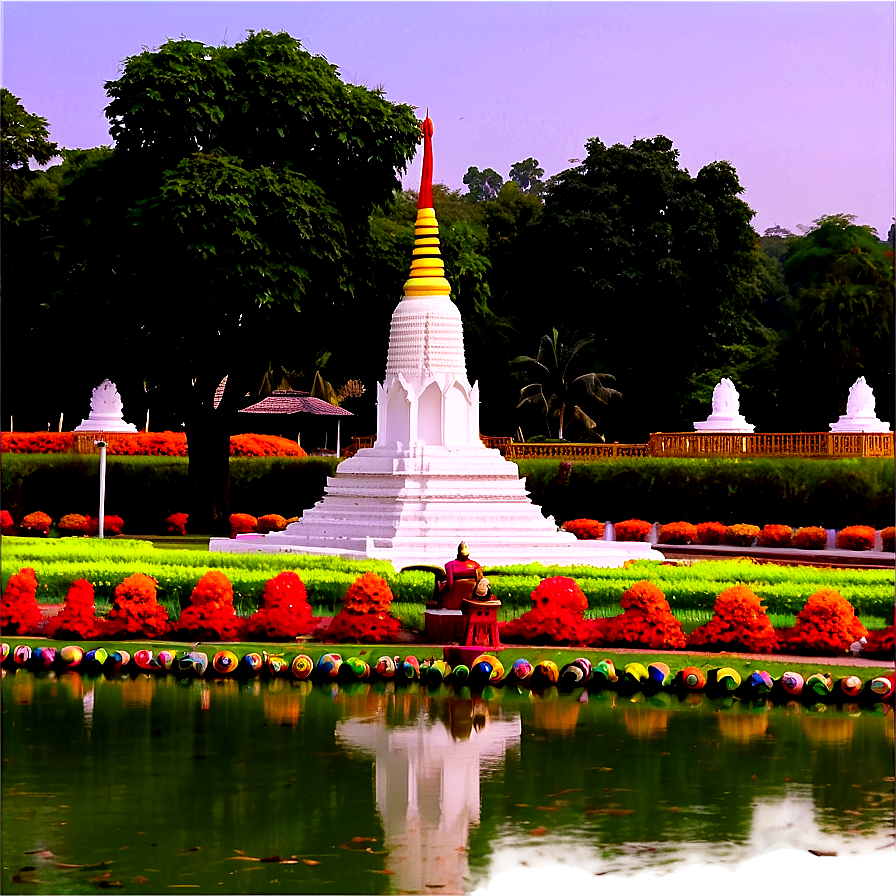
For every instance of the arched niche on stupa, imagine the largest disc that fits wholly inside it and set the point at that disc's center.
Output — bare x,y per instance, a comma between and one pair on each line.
429,416
398,417
457,416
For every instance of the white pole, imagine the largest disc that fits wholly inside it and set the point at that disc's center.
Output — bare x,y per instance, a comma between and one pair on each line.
60,421
102,445
10,424
338,422
146,428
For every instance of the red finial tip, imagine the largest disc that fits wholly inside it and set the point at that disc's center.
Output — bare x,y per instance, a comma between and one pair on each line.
425,200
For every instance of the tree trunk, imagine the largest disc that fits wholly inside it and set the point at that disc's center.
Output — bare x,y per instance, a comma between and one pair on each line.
208,444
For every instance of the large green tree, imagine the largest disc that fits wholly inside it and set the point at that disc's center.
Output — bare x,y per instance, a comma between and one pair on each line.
660,265
231,221
24,138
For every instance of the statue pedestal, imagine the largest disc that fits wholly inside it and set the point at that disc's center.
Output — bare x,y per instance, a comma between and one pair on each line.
720,423
859,424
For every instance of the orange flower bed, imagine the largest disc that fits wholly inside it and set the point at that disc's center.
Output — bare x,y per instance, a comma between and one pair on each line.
37,523
739,622
135,610
810,538
75,524
775,537
710,533
827,624
365,615
271,522
210,616
7,524
856,538
887,537
585,529
646,621
153,444
77,618
741,535
881,643
241,523
556,617
677,533
285,611
19,613
177,523
632,530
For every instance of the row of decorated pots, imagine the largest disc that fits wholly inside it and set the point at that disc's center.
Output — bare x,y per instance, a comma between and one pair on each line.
485,669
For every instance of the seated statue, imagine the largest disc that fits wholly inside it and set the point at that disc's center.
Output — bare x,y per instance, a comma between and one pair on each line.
461,577
725,400
861,399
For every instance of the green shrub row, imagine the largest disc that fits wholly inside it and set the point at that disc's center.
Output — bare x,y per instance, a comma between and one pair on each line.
145,490
788,491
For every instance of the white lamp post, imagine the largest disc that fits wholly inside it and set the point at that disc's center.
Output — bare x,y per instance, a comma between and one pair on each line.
102,446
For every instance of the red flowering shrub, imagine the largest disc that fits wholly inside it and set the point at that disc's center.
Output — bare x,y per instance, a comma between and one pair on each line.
241,523
775,537
556,617
77,618
210,616
285,611
810,538
646,621
710,533
35,442
19,613
677,533
856,538
36,524
887,537
739,622
271,522
254,445
135,610
112,525
7,524
585,529
632,530
74,524
827,624
177,523
741,535
365,616
881,643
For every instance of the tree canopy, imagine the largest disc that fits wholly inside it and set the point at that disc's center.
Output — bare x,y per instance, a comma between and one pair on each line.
24,138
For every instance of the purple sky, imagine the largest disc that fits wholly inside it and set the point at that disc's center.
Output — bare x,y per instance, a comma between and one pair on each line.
799,97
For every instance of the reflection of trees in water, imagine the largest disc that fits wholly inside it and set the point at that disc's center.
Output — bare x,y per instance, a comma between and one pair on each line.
742,722
828,728
137,691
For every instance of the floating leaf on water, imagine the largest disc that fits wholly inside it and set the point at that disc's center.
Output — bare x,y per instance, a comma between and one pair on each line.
241,859
42,853
522,805
538,832
363,839
240,852
311,861
382,871
140,879
181,852
568,790
547,808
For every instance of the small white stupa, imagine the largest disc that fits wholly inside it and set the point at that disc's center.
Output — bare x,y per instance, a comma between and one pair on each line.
725,416
860,415
429,482
105,411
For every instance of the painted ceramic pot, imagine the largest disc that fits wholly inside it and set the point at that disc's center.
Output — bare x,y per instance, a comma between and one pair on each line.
302,666
225,662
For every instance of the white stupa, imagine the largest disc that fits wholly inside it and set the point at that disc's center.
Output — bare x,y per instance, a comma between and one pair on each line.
429,482
105,411
860,415
726,415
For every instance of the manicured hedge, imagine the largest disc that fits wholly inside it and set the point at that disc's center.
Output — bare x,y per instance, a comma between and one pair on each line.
145,490
761,491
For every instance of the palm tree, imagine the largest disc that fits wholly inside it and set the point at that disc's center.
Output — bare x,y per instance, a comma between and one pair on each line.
554,388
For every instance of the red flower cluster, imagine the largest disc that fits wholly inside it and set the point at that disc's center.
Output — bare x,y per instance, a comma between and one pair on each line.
241,523
7,524
632,530
77,618
75,523
710,533
147,444
775,537
881,643
646,621
585,529
210,616
856,538
19,613
271,522
365,616
677,533
36,523
177,523
887,537
35,442
810,538
556,617
285,611
741,535
739,621
112,525
135,610
253,445
826,625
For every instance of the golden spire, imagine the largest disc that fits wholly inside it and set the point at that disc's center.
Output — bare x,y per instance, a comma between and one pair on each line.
427,271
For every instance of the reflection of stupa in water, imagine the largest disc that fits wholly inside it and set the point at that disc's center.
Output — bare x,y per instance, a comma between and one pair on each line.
429,480
427,790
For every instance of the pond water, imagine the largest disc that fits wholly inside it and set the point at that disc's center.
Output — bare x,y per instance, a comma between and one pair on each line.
279,787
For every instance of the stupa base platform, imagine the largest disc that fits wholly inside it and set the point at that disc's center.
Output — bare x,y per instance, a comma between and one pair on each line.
414,506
